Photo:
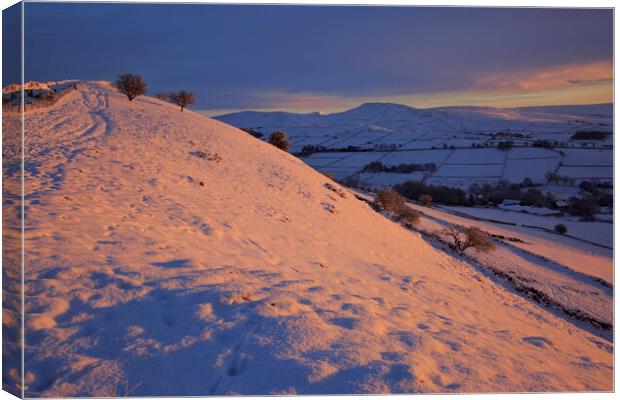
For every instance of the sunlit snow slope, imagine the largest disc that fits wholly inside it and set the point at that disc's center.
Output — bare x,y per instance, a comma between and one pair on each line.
171,254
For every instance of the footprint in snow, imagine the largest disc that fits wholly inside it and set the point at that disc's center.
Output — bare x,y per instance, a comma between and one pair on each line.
538,341
237,366
345,322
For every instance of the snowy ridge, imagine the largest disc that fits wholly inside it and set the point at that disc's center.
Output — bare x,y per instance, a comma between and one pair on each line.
172,254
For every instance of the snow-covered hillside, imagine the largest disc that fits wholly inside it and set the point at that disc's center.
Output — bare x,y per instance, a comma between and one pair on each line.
453,138
171,254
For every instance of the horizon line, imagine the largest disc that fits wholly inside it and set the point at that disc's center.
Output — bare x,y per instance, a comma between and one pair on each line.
213,113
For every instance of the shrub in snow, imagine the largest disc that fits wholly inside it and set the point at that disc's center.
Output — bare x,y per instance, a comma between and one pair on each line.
131,85
408,215
183,98
336,190
330,207
560,228
208,156
425,199
389,200
279,139
464,238
162,96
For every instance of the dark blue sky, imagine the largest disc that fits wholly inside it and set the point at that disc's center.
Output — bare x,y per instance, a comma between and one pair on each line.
326,58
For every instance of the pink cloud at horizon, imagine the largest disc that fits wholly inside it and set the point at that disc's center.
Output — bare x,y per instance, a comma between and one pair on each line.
548,78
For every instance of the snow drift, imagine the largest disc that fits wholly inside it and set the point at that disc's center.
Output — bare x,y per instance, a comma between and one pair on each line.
171,254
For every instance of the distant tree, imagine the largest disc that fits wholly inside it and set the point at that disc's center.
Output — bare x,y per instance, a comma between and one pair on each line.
425,199
389,200
560,228
590,135
586,207
131,85
527,182
605,200
440,194
464,238
374,166
162,96
279,139
586,186
507,145
183,98
534,197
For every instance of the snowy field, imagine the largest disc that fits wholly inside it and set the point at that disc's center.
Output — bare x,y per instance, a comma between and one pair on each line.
450,137
171,254
596,232
540,263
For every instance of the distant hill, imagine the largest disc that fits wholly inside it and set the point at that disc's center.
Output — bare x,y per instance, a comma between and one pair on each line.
378,112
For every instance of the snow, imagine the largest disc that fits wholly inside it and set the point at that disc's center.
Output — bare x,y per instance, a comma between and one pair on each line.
152,270
588,157
415,157
477,156
531,152
561,192
536,169
544,211
352,160
470,170
581,172
380,179
41,86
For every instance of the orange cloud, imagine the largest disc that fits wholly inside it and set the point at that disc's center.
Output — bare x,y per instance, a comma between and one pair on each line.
550,78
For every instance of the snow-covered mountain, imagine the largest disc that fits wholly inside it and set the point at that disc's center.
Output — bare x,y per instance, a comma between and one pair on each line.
472,117
171,254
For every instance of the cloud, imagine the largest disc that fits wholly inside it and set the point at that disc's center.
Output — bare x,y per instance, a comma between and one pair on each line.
275,100
548,78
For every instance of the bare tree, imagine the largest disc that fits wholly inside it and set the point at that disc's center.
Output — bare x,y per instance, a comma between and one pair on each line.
183,98
464,238
131,85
